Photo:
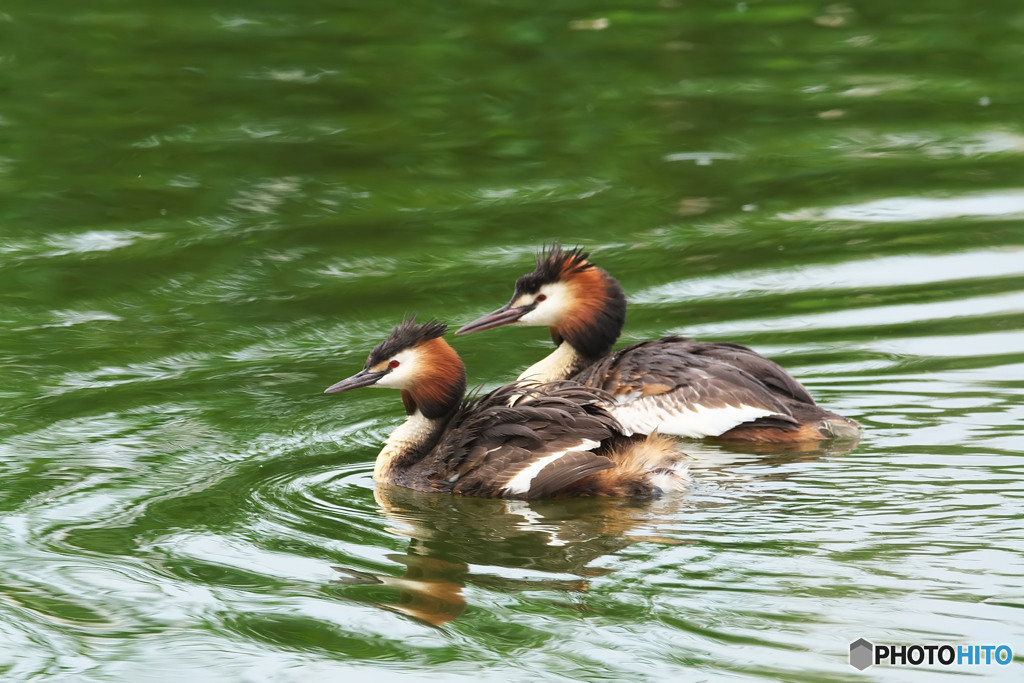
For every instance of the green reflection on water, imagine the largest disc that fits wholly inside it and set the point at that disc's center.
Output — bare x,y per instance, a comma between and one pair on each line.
208,211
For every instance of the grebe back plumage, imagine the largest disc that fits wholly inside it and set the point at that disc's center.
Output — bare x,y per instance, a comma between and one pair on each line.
523,440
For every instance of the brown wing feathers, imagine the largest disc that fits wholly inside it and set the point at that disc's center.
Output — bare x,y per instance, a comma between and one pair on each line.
490,443
756,365
566,471
679,374
697,373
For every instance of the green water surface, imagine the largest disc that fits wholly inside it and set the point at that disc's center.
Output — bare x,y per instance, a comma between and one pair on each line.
210,211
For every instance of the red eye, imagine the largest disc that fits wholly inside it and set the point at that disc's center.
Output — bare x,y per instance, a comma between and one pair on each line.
393,364
541,297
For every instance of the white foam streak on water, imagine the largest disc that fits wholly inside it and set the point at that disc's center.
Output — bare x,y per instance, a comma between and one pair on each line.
870,316
234,552
859,274
932,143
1006,204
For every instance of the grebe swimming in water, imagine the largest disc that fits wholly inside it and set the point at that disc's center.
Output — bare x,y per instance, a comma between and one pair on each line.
673,385
519,441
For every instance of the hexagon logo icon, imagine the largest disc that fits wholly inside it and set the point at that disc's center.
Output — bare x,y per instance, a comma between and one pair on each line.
862,654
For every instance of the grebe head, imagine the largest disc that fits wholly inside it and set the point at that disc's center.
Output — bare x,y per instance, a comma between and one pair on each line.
417,361
578,301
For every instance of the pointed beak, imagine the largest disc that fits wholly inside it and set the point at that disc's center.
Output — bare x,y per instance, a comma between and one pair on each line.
506,315
363,378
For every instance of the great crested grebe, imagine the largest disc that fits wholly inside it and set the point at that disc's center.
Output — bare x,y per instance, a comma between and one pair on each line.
673,385
555,440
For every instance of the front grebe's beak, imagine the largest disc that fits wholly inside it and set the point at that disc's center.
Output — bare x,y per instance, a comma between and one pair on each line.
363,378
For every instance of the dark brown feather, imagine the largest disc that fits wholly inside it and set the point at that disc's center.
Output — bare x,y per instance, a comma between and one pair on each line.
684,368
488,442
565,471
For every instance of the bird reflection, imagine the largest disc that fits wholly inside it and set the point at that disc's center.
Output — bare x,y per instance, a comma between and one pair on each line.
500,544
776,453
512,546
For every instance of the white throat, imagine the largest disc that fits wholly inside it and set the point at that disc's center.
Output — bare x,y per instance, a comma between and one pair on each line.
559,364
411,434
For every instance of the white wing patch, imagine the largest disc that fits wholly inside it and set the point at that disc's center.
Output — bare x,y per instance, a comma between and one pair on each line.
667,416
521,482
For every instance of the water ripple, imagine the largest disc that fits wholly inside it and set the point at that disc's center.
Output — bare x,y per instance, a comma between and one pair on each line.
1006,204
857,274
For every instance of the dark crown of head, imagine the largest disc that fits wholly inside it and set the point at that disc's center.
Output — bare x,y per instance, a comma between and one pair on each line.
553,264
406,335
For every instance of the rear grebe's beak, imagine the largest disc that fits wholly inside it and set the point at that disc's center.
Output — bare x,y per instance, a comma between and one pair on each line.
506,315
363,378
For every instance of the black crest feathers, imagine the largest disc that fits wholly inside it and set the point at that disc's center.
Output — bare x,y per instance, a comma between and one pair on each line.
553,264
406,335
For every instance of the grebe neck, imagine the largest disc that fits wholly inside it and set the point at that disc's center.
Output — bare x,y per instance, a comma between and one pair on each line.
408,444
562,363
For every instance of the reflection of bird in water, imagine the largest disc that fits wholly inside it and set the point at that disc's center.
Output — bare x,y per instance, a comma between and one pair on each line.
507,545
430,590
674,385
512,546
545,440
